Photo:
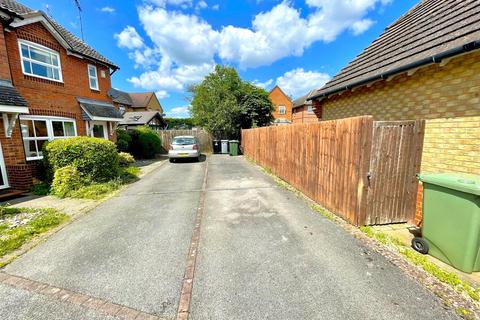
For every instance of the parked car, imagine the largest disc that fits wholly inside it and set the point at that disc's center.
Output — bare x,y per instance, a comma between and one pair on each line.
184,147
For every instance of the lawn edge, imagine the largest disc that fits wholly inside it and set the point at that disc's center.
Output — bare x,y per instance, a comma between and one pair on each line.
452,300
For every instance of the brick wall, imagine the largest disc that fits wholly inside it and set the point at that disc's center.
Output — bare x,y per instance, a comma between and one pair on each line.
448,97
57,98
301,115
44,97
279,98
4,67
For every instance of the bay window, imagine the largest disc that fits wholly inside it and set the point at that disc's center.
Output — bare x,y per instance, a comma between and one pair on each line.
39,61
37,130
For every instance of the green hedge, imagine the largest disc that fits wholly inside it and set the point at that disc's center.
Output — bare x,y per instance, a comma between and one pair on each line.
95,159
142,142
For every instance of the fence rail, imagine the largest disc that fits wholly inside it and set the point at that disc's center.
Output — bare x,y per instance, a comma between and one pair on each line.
204,138
330,162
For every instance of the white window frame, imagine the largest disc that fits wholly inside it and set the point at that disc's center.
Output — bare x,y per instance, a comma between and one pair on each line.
310,109
49,121
100,123
41,48
282,109
93,77
4,170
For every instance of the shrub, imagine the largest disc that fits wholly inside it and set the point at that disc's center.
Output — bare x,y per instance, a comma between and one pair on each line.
123,140
145,142
96,191
95,159
66,181
40,189
125,159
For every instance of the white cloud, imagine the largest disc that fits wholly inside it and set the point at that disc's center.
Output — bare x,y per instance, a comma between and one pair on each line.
216,7
201,5
108,9
298,82
186,39
183,47
129,38
162,94
359,27
264,85
179,112
164,3
171,79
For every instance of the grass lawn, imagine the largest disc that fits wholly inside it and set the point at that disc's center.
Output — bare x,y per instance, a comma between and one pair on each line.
19,225
97,191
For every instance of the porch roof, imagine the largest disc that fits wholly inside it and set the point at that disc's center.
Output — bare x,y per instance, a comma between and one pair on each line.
99,110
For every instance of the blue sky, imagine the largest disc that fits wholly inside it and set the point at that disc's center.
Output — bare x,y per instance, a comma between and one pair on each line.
166,45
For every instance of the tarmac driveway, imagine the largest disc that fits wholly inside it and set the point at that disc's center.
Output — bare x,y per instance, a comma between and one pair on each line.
262,254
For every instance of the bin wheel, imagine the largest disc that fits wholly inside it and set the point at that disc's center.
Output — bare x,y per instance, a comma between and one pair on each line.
420,245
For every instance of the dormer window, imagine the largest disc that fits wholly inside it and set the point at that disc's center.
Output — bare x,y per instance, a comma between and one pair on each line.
92,77
39,61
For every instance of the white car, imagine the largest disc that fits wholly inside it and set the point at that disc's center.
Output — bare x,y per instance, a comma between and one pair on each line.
184,147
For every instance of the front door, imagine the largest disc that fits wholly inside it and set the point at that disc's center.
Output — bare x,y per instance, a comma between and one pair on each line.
3,171
100,130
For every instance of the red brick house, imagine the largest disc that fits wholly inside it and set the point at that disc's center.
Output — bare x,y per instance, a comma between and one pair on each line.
52,85
302,111
282,103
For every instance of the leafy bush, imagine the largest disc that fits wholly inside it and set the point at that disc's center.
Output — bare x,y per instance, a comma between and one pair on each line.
145,142
123,140
129,174
125,159
40,189
95,159
66,181
96,191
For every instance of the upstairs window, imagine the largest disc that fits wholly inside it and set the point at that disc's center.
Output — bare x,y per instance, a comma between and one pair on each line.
39,61
310,109
92,77
282,110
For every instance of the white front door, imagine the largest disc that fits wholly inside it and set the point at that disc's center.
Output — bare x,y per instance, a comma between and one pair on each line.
3,172
100,129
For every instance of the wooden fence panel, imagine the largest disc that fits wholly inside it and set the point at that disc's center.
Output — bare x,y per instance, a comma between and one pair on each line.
328,161
204,138
360,170
395,161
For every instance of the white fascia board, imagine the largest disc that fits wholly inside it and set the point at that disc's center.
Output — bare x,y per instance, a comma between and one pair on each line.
13,109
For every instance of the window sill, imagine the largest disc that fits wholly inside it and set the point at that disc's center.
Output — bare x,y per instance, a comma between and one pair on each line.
43,78
34,158
95,90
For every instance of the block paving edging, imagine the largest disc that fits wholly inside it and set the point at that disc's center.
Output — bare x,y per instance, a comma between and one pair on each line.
76,298
187,282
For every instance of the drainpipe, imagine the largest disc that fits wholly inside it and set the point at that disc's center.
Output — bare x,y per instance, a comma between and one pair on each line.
432,59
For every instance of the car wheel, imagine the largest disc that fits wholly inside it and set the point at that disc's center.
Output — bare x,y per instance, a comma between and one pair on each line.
171,160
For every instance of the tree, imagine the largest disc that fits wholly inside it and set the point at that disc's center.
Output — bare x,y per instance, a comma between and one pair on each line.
179,123
224,103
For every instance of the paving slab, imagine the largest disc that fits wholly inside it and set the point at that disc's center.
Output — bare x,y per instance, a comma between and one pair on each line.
17,304
265,255
130,250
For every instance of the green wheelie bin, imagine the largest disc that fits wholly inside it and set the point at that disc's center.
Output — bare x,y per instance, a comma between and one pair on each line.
451,220
233,147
